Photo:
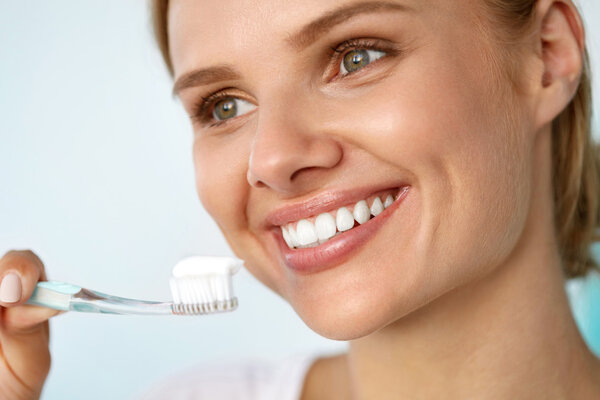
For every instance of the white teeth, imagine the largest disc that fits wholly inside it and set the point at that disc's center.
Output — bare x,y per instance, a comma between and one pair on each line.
344,220
361,212
388,201
376,207
306,232
293,236
286,237
325,226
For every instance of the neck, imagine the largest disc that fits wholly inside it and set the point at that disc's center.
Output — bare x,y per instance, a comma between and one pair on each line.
508,335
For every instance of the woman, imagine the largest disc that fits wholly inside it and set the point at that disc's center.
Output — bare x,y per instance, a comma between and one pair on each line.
463,126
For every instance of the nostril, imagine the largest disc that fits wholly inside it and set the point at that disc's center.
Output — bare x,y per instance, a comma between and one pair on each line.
253,180
303,170
284,161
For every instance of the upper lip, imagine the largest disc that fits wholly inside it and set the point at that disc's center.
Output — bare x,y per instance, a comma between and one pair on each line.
323,202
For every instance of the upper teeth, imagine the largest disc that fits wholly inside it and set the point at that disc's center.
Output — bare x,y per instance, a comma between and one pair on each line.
306,233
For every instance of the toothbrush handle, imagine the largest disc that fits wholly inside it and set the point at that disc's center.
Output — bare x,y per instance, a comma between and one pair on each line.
67,297
53,294
91,301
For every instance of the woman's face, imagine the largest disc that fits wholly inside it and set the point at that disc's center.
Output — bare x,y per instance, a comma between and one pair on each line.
302,108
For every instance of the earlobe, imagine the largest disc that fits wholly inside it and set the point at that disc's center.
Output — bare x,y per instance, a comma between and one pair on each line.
562,42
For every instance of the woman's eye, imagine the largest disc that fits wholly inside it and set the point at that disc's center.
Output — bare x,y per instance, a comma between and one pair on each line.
357,59
231,107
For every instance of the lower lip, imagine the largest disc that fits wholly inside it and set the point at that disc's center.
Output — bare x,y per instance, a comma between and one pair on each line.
335,251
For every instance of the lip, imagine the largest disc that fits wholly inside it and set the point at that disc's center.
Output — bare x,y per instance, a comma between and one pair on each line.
335,251
325,202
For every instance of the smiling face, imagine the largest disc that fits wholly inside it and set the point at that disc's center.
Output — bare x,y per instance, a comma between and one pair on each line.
304,109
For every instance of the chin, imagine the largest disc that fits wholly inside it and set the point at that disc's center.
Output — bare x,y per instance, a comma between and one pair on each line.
347,323
351,313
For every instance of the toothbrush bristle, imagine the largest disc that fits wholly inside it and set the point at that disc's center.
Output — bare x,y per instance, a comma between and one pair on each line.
203,286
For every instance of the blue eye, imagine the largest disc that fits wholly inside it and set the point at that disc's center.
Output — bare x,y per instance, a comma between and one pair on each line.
357,59
231,107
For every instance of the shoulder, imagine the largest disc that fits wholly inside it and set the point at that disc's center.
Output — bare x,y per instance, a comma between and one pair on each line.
249,379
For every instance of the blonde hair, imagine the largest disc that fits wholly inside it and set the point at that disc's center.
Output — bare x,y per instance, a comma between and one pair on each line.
575,157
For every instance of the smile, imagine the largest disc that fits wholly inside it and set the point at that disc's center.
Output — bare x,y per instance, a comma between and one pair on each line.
324,231
316,230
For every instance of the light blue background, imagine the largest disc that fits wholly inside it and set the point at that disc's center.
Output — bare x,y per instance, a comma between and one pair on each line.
96,176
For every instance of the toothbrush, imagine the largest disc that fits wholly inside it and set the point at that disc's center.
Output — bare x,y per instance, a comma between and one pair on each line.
199,285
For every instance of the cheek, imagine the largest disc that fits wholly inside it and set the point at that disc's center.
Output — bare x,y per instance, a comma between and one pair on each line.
468,162
220,167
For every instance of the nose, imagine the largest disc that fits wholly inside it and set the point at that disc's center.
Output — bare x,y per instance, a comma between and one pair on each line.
289,153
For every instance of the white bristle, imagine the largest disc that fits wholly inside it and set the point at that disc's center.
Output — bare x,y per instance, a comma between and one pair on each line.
203,280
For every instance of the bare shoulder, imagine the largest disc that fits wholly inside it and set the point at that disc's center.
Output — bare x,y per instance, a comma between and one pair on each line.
327,378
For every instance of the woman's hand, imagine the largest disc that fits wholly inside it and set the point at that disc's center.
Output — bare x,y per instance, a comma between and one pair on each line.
24,333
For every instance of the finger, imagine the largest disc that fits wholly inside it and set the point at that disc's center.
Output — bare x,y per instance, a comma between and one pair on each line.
24,332
19,273
24,338
26,319
28,356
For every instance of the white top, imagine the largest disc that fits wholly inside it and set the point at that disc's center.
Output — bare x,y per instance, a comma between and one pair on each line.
247,380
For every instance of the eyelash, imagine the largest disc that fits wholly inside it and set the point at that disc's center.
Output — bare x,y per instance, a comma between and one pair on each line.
202,111
338,53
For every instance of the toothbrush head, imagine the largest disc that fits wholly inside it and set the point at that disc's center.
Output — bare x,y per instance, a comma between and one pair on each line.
202,285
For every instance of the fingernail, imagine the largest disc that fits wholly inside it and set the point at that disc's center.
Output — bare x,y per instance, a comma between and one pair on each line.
10,288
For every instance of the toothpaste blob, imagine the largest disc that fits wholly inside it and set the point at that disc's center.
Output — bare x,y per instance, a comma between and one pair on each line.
201,280
203,265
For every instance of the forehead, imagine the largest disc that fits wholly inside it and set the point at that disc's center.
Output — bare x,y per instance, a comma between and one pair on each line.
224,28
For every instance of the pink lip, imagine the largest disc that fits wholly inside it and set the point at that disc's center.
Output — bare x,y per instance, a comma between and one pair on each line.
336,250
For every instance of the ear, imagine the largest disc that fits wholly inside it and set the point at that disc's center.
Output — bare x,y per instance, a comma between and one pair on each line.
561,36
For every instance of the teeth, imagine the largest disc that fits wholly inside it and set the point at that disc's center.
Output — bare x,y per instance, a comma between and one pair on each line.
286,237
344,220
306,232
388,201
361,212
293,235
312,232
325,226
376,207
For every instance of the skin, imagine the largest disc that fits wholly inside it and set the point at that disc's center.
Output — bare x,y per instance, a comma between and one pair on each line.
24,334
460,294
471,289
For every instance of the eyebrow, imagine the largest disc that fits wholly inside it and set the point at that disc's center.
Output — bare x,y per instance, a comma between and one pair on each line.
299,40
205,76
309,33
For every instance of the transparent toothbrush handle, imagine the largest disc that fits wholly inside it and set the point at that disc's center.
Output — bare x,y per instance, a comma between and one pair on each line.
67,297
91,301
